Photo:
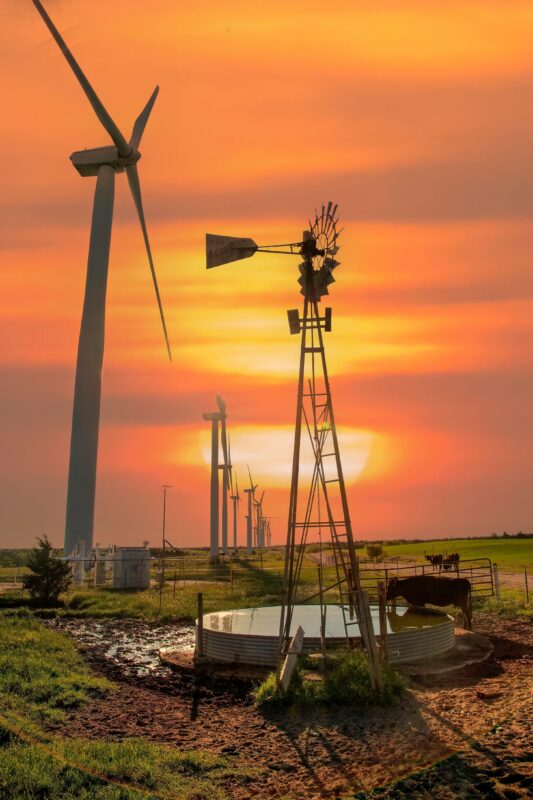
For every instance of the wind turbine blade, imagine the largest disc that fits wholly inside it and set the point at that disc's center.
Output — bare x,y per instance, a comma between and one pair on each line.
142,119
98,107
133,180
224,442
221,404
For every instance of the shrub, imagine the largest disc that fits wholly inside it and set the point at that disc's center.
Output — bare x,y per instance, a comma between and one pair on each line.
375,551
49,576
346,682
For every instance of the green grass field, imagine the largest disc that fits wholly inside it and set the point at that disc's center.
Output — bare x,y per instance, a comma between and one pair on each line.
42,677
511,554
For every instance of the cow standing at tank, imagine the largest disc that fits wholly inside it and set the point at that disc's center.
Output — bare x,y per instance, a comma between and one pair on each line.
421,589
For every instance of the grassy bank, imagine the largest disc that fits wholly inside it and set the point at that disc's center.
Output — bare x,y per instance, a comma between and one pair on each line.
42,677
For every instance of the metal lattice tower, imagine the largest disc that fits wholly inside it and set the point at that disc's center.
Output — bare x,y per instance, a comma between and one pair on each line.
320,508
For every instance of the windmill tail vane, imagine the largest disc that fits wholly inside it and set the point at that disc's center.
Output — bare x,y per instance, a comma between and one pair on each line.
318,249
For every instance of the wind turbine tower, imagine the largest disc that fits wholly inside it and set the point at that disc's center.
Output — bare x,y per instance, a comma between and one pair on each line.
214,418
260,522
225,467
102,163
235,497
250,516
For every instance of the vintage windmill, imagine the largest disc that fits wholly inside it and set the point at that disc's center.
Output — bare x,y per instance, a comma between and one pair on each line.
103,163
321,508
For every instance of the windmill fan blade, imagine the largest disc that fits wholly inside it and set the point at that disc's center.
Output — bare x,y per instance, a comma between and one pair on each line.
121,143
142,119
133,180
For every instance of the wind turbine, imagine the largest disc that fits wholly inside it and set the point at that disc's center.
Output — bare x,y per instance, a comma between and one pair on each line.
225,469
235,497
249,518
214,418
260,522
102,163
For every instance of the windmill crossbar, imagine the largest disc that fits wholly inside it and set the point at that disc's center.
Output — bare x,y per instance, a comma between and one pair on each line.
324,524
271,249
324,590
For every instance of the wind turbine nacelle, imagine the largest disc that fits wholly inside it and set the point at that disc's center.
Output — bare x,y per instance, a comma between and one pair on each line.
88,162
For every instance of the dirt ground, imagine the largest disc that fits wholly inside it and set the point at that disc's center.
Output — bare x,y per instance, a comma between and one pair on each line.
465,734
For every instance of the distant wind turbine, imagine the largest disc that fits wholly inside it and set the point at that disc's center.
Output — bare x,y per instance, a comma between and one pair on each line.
102,163
250,516
225,471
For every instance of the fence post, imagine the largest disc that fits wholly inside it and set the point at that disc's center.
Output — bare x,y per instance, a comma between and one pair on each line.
383,650
527,588
496,579
200,626
231,577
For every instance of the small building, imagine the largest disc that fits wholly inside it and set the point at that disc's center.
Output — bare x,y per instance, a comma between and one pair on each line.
131,567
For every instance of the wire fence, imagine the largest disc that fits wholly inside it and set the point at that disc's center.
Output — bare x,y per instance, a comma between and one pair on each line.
486,578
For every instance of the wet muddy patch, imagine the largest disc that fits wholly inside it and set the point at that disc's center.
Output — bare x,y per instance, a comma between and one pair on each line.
131,647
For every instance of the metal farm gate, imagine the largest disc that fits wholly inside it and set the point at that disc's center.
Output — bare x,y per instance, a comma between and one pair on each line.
477,570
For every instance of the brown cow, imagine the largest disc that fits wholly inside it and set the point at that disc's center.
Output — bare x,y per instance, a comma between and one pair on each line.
421,589
435,561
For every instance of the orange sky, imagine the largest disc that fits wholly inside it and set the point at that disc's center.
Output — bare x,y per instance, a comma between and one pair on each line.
415,117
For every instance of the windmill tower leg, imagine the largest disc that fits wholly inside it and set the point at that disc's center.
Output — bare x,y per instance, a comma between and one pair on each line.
288,574
86,411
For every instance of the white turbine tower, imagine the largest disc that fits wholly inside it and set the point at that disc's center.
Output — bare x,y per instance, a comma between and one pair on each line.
214,418
102,163
234,496
250,516
225,472
258,522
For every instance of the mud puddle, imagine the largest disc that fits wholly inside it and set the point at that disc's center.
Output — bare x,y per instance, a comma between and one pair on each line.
131,647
